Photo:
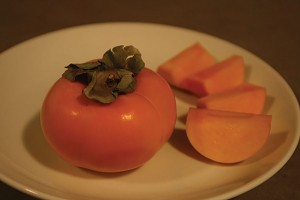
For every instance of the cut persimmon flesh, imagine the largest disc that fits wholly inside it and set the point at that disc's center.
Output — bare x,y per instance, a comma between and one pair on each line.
189,61
227,137
217,78
246,97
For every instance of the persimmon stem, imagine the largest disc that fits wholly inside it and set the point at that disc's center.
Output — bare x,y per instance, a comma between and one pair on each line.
110,76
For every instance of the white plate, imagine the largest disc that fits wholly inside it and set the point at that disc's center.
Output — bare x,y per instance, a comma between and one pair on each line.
176,172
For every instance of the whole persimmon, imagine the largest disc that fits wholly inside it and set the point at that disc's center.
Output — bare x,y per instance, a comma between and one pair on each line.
110,114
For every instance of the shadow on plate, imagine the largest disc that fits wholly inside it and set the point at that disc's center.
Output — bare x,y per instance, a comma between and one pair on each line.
180,142
268,104
38,147
275,141
185,96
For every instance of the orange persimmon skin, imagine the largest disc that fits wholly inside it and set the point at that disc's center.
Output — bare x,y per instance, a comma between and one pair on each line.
113,137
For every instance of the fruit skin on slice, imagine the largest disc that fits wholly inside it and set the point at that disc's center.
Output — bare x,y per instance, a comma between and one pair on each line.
222,76
246,97
189,61
227,137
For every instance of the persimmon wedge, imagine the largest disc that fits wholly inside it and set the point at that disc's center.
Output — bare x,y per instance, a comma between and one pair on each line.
187,62
246,97
227,137
222,76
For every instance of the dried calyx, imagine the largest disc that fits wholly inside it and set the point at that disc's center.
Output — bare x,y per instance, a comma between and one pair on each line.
110,76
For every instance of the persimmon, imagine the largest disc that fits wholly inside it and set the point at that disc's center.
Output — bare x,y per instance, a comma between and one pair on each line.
109,115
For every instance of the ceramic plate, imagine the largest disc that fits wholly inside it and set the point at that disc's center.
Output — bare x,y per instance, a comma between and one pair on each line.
27,163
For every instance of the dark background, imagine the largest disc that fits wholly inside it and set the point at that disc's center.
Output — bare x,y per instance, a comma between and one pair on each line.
269,29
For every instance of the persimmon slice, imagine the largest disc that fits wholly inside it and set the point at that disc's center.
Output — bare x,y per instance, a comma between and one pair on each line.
227,137
189,61
246,97
222,76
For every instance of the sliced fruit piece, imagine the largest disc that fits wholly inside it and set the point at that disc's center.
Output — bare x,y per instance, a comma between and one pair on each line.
191,60
217,78
227,137
246,97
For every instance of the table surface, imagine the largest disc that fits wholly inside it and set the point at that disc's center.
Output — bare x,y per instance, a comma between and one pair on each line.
269,29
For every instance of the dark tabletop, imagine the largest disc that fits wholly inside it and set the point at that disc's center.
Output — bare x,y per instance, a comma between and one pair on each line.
269,29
